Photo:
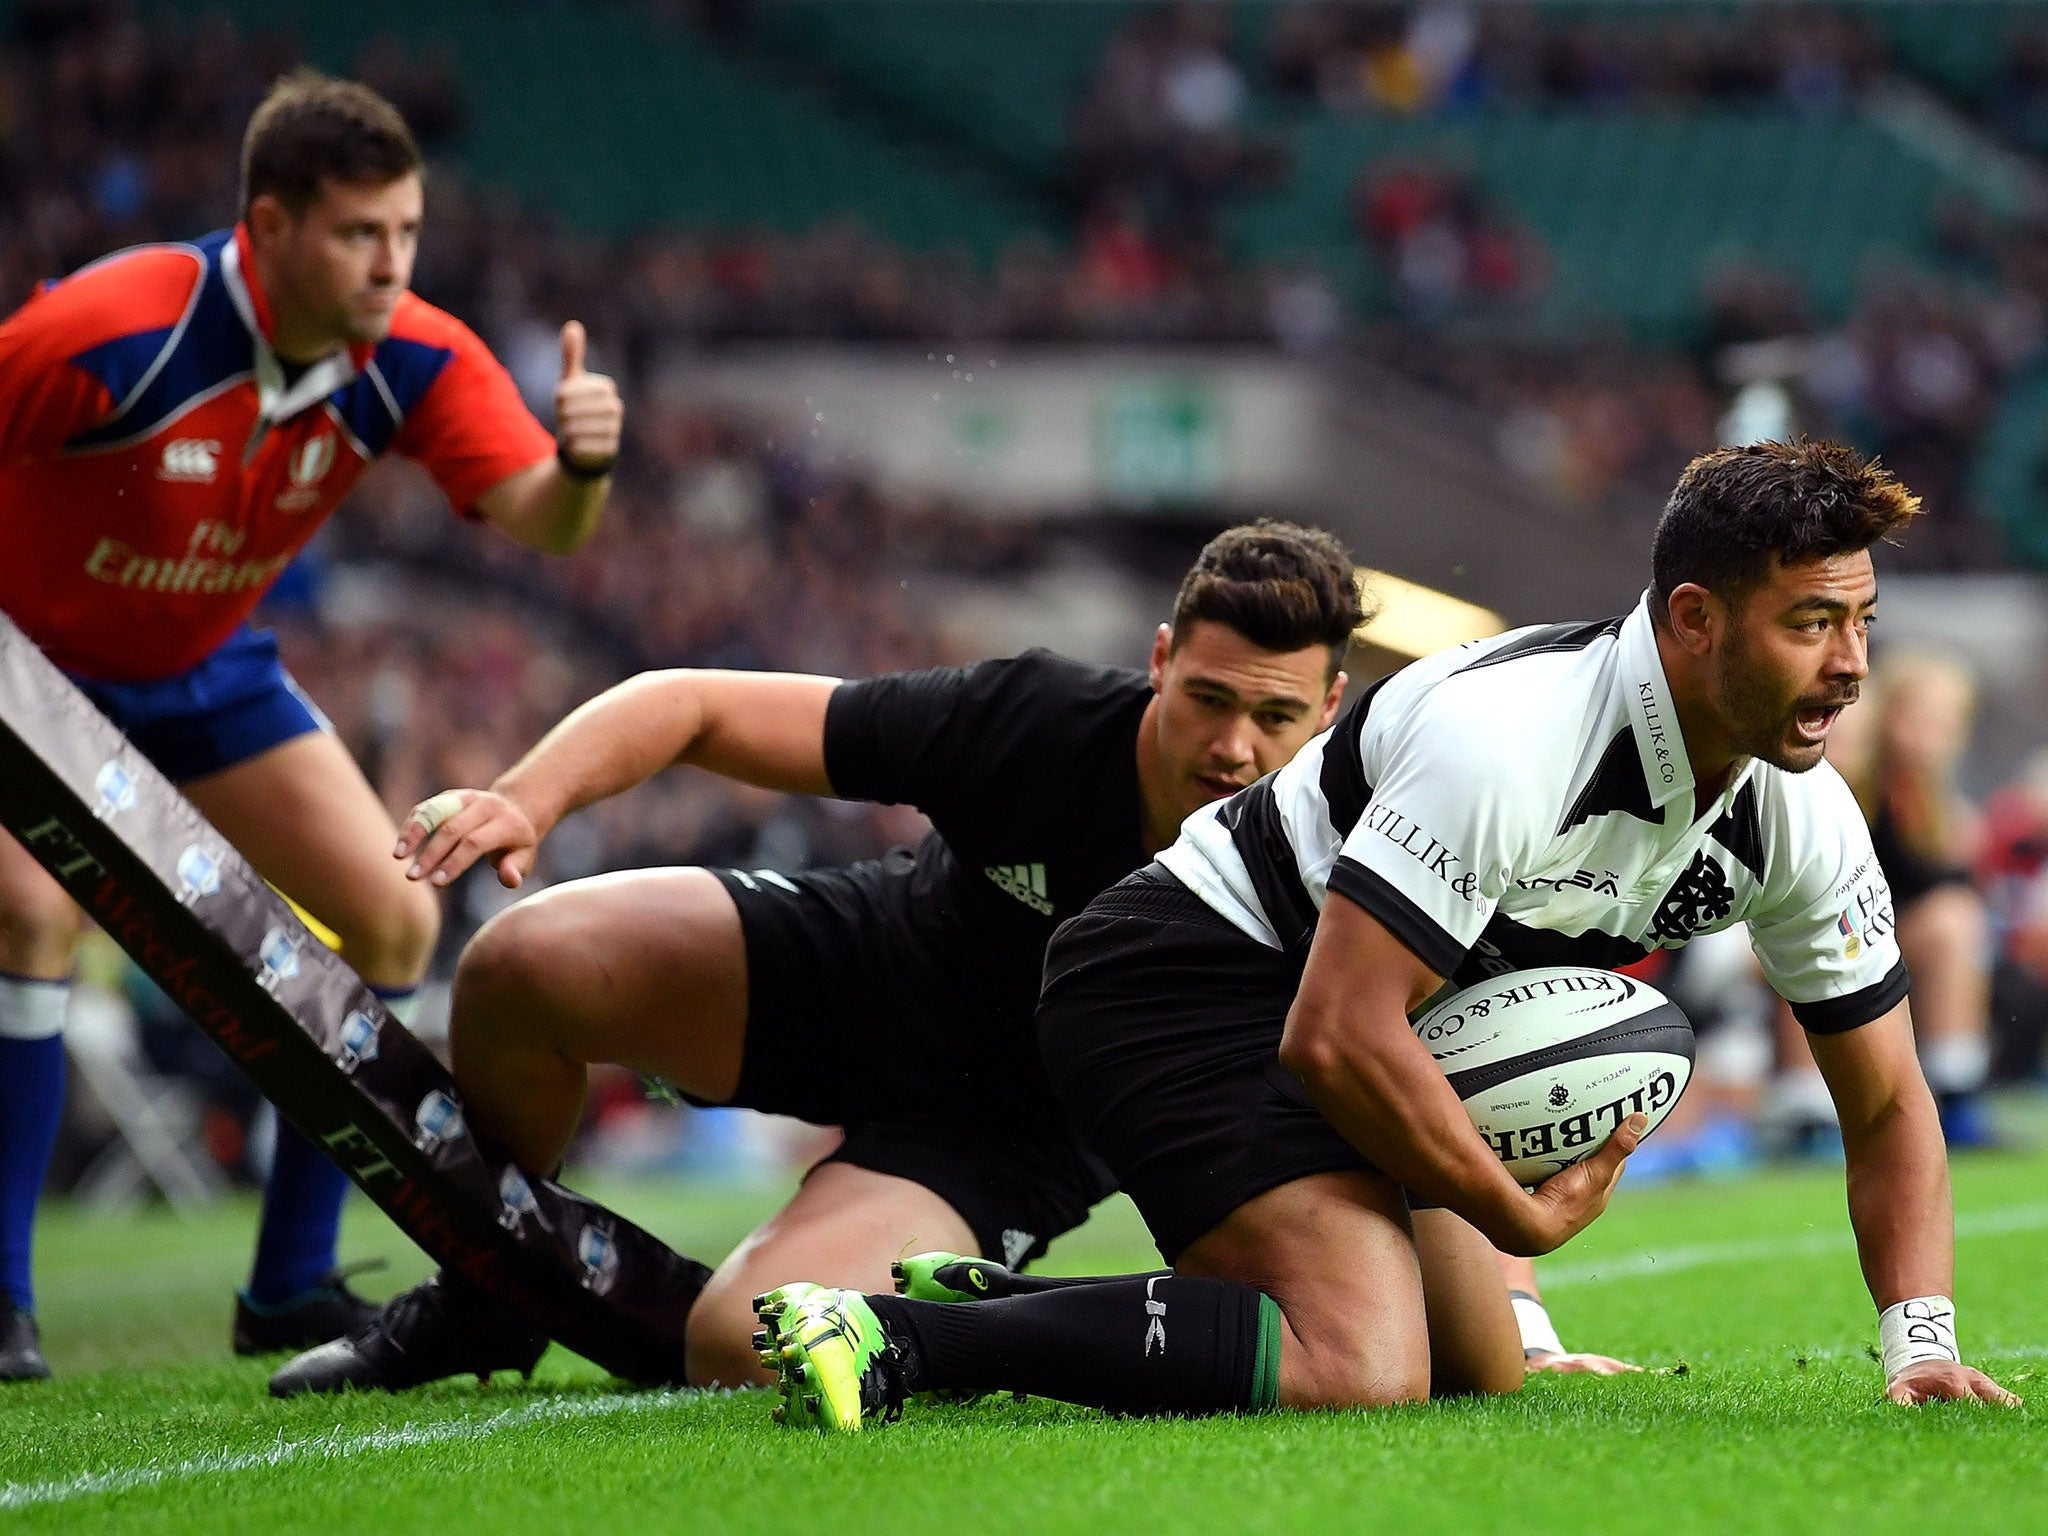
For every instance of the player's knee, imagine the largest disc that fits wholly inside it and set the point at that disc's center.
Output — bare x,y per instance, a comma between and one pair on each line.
719,1343
38,929
1362,1376
1952,918
1498,1374
516,972
391,944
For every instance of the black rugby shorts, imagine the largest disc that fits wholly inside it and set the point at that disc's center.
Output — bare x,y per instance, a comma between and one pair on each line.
852,1022
1160,1027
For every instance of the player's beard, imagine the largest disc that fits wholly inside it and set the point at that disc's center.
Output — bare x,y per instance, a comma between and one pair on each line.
1757,715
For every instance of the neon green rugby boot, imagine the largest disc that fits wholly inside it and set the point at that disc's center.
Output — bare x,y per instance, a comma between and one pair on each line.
834,1364
949,1277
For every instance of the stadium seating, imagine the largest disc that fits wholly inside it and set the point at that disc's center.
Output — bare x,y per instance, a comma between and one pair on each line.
1635,209
616,119
1002,77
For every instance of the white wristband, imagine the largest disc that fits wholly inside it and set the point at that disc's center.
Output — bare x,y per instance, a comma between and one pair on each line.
1921,1329
1538,1336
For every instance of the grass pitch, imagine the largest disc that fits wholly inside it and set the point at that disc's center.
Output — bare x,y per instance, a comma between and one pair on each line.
1766,1417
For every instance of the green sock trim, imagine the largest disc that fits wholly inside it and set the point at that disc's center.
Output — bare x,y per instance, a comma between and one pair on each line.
1266,1363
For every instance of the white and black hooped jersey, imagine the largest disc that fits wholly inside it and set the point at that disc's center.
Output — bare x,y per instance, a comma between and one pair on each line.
1527,801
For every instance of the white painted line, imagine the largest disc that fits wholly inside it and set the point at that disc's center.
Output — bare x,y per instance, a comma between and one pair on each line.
336,1446
1673,1261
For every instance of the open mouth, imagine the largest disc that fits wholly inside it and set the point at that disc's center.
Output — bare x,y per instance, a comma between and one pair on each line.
1812,725
1217,789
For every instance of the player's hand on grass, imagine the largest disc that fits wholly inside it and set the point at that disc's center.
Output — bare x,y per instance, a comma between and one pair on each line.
589,415
1566,1203
1572,1363
1928,1381
448,832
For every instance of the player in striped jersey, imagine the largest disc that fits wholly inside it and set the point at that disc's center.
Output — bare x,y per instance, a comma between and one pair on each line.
1228,1027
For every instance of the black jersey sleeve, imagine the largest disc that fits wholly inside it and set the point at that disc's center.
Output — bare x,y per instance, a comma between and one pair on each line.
973,747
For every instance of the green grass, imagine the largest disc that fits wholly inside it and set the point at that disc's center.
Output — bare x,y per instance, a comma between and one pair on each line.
1772,1424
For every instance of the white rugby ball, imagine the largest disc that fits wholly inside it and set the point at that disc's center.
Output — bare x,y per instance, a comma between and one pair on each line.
1548,1062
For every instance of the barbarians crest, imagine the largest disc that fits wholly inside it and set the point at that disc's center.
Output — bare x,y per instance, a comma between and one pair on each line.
1700,896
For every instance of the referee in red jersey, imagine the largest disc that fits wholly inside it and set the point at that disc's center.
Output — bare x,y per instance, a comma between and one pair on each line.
176,421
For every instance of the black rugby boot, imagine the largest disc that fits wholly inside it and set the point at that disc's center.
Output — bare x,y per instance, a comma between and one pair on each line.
330,1310
441,1327
21,1347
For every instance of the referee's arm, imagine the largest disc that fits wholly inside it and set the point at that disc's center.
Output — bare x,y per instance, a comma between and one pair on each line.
1348,1041
555,504
761,728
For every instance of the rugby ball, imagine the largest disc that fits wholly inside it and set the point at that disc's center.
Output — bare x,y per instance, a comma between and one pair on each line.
1548,1062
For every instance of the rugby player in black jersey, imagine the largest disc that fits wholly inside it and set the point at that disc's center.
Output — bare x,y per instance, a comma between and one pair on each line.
1229,1026
893,997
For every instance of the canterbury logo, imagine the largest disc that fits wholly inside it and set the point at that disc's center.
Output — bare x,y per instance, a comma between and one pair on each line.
191,459
1026,882
1155,1325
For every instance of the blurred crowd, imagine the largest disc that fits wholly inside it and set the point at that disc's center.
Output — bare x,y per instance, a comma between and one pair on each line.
1446,55
441,652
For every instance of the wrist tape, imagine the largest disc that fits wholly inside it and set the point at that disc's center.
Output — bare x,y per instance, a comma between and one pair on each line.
1538,1336
1921,1329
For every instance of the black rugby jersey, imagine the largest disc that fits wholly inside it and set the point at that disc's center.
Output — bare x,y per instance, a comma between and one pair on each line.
1027,768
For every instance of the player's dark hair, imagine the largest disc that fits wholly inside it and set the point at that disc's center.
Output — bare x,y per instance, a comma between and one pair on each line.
1282,587
1738,512
313,128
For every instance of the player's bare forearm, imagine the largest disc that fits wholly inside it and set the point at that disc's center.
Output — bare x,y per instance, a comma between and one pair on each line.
545,508
1347,1039
1899,1200
761,728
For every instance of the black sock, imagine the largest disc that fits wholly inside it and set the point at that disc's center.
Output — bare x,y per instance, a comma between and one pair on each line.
1018,1283
1142,1344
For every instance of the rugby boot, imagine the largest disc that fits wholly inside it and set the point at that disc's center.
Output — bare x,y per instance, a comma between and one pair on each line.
836,1367
949,1277
330,1310
441,1327
21,1347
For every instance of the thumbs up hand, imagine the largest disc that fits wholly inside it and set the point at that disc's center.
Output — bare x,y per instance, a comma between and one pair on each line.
588,412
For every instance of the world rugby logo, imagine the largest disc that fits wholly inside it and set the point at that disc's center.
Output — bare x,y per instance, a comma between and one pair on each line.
307,467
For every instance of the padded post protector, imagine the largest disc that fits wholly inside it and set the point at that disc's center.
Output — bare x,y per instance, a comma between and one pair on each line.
142,861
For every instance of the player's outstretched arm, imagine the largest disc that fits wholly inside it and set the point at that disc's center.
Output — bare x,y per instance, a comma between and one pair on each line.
1542,1350
762,728
555,505
1347,1039
1900,1206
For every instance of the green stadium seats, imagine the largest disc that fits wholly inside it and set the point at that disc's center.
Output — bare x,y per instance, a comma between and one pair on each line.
615,119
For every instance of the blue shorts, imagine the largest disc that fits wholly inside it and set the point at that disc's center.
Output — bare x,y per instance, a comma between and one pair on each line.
238,703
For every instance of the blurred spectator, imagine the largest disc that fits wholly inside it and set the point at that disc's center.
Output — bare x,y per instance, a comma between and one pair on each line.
2013,869
1898,749
1442,240
1444,55
1160,127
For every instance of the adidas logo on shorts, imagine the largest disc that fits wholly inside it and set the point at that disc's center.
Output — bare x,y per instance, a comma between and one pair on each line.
1026,882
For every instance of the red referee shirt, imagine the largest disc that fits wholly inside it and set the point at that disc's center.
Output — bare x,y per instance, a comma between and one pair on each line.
156,474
